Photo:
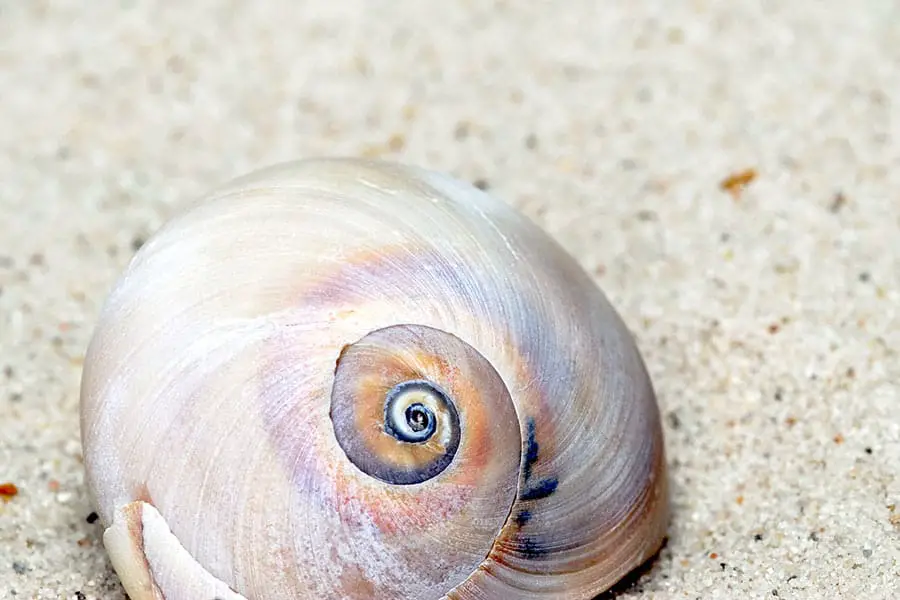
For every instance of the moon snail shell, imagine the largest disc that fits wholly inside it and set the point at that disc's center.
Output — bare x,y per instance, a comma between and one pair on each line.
348,379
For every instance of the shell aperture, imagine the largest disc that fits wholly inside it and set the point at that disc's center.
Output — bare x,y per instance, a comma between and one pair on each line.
333,373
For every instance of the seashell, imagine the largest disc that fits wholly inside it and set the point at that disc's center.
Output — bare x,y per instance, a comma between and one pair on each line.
339,378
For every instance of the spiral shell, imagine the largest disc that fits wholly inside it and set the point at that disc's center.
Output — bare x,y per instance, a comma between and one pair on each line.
348,379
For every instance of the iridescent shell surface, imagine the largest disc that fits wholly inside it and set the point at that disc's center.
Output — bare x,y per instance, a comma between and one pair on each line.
346,379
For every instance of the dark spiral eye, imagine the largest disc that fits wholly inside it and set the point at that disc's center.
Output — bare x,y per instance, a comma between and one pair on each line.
396,414
407,415
418,417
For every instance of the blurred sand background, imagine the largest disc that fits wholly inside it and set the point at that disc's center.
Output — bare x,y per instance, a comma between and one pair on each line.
728,171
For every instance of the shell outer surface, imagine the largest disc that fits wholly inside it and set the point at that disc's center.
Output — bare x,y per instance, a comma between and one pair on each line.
339,378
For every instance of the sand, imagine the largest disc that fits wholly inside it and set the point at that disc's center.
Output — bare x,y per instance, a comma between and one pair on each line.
729,172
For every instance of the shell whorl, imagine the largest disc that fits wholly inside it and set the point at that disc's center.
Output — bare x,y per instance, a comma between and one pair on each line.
339,378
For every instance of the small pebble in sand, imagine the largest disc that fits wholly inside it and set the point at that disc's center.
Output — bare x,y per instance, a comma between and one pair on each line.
735,183
8,491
